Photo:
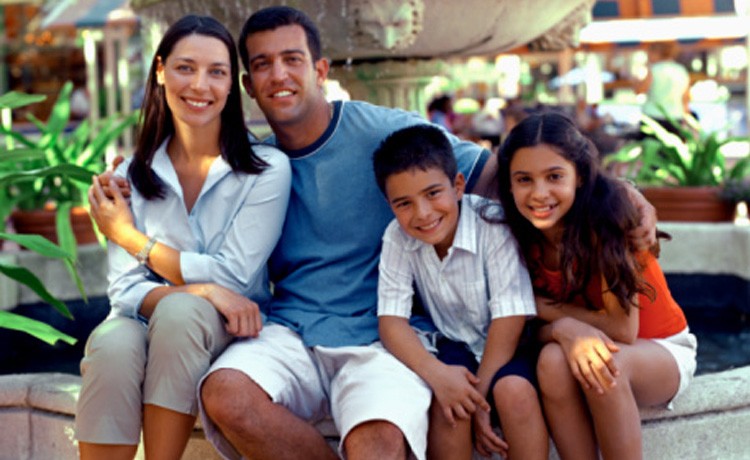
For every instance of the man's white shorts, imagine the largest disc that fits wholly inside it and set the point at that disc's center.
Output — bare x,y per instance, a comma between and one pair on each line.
352,385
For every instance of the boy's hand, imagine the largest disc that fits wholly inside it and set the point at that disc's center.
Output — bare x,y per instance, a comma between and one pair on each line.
486,440
454,389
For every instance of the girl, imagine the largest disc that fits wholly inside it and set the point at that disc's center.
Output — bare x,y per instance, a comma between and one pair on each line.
615,338
187,255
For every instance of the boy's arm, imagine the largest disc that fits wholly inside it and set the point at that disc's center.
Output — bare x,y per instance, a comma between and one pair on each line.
453,386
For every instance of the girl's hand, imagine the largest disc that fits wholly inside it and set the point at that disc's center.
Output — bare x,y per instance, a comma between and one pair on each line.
242,315
589,353
454,389
112,215
486,440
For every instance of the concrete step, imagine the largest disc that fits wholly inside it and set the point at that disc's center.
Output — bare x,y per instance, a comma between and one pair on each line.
710,421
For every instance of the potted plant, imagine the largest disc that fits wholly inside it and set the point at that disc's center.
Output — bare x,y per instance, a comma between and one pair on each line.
45,174
46,248
682,175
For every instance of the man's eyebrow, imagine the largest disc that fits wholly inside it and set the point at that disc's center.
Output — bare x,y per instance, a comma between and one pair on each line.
283,52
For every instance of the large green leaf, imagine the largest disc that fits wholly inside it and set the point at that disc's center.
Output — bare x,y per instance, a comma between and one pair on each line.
36,243
14,99
20,154
25,277
69,171
38,329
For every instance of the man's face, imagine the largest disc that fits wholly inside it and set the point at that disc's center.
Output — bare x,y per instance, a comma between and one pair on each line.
283,79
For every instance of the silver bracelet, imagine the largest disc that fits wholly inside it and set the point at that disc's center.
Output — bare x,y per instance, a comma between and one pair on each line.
142,256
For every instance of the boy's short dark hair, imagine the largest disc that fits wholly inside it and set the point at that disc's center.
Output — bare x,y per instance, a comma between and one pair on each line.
422,146
272,18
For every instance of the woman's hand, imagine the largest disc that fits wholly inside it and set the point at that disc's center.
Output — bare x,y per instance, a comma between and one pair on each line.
454,389
486,440
112,215
589,353
242,315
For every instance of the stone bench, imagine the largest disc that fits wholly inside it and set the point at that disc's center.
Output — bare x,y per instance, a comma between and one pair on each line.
711,421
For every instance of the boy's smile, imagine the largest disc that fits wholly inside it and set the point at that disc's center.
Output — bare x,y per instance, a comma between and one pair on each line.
426,205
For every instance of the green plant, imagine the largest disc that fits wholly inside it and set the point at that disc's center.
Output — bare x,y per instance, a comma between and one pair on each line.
22,275
692,158
52,166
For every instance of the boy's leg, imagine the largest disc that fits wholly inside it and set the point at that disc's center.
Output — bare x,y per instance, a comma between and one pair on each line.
368,384
259,398
446,441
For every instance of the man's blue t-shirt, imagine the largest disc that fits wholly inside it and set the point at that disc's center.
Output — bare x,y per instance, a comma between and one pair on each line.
325,266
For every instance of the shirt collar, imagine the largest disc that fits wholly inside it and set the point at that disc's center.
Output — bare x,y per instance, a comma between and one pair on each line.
163,168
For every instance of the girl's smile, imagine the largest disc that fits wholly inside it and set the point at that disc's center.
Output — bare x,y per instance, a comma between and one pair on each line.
543,184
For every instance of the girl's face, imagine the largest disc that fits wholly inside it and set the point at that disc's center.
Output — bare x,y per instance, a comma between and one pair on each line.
197,80
543,184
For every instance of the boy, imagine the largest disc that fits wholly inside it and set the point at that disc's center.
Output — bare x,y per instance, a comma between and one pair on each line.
471,279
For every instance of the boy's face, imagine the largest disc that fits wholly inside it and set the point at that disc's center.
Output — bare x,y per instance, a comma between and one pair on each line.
426,205
282,77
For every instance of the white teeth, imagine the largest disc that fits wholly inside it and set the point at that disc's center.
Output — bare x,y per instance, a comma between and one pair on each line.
282,94
430,226
196,103
542,209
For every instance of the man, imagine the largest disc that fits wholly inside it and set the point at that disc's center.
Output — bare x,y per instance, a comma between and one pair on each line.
319,355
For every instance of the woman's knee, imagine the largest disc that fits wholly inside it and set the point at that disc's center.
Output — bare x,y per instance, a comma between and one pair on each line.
116,347
181,321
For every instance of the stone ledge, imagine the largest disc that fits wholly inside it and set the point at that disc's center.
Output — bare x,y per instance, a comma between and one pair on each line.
713,418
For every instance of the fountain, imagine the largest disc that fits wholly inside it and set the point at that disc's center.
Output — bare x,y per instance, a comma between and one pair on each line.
387,51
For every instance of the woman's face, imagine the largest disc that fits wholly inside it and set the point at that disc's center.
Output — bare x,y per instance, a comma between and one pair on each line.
197,80
543,184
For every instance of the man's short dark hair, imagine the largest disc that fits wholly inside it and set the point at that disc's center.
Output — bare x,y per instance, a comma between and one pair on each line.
272,18
421,146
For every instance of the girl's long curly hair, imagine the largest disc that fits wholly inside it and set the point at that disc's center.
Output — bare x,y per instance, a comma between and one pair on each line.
595,241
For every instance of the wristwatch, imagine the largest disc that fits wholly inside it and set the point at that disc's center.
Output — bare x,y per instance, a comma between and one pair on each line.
142,256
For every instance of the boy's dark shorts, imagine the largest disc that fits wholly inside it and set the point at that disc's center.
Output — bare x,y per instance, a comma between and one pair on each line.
522,364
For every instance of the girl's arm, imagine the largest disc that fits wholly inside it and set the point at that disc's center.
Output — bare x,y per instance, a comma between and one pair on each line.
617,324
453,386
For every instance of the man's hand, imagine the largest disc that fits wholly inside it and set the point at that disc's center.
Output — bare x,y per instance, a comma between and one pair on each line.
107,176
643,236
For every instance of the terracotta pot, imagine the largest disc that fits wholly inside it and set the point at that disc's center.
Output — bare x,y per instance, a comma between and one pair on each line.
42,222
689,204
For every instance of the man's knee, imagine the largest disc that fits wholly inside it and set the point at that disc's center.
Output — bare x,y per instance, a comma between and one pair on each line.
376,436
230,397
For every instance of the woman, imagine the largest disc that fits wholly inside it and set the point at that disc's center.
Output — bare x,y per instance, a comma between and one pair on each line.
187,254
615,338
